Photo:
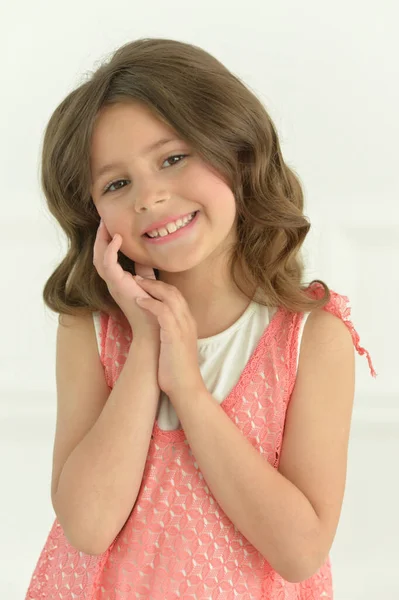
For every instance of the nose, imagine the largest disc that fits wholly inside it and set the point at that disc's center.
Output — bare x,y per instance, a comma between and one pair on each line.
148,194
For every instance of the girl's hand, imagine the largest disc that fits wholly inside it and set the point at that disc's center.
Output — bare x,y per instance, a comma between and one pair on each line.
121,284
178,369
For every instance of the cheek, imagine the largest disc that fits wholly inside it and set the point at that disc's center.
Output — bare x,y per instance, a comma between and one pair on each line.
117,222
214,195
226,204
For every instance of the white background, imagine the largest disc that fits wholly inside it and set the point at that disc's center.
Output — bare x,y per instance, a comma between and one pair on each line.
328,75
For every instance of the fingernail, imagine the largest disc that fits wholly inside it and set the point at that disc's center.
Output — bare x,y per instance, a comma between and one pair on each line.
138,277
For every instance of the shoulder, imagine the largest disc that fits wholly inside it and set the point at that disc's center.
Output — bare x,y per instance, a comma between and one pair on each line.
323,327
326,359
327,350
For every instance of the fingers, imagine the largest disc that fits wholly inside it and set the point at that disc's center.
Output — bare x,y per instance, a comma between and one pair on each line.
105,250
111,252
101,242
106,254
144,270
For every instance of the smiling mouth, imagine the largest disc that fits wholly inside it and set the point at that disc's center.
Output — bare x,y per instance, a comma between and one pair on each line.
157,236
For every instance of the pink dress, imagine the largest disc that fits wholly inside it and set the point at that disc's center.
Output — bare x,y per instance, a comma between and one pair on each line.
177,542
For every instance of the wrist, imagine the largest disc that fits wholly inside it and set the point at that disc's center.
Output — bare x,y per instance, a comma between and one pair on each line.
147,342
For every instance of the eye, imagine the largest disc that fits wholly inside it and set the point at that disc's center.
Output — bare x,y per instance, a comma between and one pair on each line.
108,187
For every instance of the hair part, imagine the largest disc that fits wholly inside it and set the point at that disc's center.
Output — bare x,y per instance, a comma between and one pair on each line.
214,111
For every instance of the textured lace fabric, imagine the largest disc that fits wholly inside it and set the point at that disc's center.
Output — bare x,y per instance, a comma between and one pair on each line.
177,542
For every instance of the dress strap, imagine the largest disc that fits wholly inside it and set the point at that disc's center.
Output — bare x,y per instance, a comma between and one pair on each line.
340,306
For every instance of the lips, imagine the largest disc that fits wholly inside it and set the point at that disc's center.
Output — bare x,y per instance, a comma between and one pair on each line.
154,229
164,222
170,238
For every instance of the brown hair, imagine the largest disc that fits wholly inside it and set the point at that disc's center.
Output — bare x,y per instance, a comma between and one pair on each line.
226,124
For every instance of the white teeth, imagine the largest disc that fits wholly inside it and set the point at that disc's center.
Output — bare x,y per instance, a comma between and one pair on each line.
171,227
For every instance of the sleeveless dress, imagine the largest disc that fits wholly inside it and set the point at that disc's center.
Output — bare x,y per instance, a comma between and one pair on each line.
177,542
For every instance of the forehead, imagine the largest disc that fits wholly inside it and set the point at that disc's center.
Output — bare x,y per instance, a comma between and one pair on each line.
123,130
132,121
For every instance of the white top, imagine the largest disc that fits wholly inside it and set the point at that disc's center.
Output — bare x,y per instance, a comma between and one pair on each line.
221,357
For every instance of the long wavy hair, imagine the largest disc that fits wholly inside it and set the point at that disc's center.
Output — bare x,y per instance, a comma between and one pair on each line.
225,123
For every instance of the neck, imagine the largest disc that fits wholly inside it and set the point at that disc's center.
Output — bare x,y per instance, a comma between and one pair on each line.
213,299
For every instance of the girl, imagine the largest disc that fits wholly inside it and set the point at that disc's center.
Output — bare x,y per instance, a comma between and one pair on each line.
203,409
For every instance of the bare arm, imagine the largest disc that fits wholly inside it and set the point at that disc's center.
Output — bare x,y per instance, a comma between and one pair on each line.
290,514
101,478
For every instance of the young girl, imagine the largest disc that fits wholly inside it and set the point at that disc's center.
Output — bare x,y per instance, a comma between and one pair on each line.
204,409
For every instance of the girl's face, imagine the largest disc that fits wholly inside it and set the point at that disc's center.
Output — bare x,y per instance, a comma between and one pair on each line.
149,185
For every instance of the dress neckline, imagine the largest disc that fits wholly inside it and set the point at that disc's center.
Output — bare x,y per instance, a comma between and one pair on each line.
178,435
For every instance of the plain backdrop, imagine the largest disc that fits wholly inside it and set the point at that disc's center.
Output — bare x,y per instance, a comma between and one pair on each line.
328,75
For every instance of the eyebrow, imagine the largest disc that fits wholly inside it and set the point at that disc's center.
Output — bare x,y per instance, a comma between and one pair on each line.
147,150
